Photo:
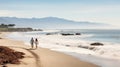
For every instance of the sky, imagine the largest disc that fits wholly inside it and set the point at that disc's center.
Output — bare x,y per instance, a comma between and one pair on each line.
99,11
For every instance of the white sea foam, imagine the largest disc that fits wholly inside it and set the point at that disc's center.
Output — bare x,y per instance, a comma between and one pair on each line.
112,51
87,35
47,30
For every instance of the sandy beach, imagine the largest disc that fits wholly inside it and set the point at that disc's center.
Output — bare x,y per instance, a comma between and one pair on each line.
41,57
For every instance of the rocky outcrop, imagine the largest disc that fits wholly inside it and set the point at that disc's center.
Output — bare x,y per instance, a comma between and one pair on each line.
96,44
86,47
15,29
77,33
67,34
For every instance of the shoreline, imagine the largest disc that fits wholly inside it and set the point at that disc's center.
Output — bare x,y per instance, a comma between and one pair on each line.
45,57
54,43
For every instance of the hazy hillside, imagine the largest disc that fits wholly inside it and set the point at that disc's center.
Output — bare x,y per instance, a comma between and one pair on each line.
49,23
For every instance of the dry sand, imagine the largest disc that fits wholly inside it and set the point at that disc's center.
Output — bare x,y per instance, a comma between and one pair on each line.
41,57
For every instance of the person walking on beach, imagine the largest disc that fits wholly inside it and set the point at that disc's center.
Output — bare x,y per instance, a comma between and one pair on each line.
32,42
36,42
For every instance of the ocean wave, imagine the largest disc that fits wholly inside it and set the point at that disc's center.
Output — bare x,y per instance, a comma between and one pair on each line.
86,35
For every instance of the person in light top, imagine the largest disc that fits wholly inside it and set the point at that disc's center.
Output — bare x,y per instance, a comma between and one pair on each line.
36,42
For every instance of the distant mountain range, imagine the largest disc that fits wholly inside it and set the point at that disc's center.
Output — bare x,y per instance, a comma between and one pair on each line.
50,23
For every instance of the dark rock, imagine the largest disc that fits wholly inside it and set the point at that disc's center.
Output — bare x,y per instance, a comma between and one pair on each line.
66,34
86,47
91,48
51,33
77,33
79,46
96,44
48,33
67,45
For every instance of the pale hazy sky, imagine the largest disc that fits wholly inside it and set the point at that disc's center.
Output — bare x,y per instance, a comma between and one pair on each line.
102,11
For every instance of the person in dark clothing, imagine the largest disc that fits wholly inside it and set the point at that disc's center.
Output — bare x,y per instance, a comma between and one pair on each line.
32,42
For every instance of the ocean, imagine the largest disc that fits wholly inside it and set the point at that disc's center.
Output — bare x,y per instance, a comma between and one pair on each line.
104,56
99,35
112,36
